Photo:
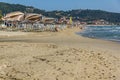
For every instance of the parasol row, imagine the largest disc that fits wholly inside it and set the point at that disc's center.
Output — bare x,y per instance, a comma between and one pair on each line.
19,16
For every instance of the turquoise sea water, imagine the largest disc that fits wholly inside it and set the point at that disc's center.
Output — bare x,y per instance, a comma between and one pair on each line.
111,33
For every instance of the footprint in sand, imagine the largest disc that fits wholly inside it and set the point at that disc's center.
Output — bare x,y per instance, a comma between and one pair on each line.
2,68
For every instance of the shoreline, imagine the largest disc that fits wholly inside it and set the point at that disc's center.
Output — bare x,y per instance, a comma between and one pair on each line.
102,25
116,41
112,40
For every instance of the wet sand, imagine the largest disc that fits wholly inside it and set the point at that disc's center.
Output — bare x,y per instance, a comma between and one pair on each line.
58,56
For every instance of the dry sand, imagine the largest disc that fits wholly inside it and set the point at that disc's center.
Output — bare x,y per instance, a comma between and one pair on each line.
58,56
9,34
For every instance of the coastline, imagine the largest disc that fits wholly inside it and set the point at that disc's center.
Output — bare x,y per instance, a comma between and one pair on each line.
94,32
58,56
101,25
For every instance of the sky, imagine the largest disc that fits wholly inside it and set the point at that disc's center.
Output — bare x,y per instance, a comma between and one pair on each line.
107,5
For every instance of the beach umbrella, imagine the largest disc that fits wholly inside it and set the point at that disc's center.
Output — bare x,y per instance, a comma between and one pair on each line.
48,20
14,16
33,17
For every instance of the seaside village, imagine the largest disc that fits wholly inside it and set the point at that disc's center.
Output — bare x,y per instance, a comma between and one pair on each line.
15,21
27,22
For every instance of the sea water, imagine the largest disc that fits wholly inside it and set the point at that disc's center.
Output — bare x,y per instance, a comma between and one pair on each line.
102,32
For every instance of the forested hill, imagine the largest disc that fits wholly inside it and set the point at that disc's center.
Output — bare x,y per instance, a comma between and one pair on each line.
6,8
87,15
82,15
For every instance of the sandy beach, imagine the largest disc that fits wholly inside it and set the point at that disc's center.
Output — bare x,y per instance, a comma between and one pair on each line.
60,55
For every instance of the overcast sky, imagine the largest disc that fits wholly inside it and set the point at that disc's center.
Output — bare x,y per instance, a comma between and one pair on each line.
107,5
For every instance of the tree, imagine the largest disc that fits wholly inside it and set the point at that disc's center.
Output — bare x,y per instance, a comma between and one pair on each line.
0,14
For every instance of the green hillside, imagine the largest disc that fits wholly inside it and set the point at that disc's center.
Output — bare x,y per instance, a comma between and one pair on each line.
6,8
